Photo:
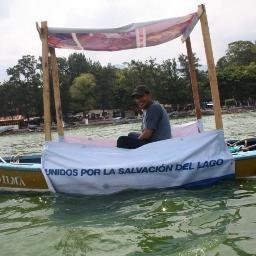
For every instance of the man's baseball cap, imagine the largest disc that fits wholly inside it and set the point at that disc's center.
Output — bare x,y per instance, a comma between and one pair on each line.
140,90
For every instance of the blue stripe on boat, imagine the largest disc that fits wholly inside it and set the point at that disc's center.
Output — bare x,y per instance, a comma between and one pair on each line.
207,182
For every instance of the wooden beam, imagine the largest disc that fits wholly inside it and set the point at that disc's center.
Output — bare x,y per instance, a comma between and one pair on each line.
211,67
193,78
46,87
38,29
56,90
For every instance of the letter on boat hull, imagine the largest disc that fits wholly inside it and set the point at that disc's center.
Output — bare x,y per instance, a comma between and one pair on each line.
15,178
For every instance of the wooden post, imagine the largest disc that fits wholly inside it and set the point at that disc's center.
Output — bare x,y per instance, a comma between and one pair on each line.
211,67
193,78
46,87
56,90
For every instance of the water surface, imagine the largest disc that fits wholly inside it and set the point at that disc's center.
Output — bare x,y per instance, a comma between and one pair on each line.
218,220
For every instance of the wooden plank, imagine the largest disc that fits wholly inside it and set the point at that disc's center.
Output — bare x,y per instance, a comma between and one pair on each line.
56,90
245,167
211,67
193,78
46,86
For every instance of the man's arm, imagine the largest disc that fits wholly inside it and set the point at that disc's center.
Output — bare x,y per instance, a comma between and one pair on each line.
146,134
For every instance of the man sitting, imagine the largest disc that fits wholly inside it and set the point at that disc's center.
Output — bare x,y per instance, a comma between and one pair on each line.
155,121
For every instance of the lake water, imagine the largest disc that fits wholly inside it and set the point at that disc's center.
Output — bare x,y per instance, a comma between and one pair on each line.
219,220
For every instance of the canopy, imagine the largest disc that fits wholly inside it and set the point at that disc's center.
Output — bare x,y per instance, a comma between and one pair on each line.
127,37
135,35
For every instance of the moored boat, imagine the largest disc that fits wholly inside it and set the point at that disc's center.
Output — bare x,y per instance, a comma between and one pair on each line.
193,159
24,173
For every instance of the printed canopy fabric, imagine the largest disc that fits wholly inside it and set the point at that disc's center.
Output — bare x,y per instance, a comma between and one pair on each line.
135,35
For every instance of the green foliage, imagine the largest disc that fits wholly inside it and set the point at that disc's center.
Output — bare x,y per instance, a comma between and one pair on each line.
65,83
78,64
23,90
236,73
82,92
85,84
230,102
8,102
239,53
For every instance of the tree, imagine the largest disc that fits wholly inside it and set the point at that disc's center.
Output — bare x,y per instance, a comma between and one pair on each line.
186,86
8,106
122,89
25,79
78,64
239,83
82,93
85,84
222,63
236,73
169,90
105,80
238,53
65,83
184,65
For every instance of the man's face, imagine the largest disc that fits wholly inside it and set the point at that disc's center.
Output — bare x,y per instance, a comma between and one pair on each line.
143,101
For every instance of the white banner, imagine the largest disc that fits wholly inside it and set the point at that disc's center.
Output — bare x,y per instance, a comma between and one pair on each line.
189,161
178,130
186,129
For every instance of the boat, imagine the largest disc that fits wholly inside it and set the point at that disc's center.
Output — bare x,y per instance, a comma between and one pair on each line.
96,166
7,128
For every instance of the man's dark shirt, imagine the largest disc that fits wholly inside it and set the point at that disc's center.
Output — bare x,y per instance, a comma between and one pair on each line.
156,118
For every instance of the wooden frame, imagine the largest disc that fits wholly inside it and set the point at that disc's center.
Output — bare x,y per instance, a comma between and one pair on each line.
56,91
193,77
46,86
211,66
43,31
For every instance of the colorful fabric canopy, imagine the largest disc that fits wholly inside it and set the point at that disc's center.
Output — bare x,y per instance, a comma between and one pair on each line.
131,36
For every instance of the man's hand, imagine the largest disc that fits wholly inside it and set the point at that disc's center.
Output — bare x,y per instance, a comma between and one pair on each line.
146,134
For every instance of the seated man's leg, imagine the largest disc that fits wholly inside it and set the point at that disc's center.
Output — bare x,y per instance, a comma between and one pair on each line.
134,135
130,143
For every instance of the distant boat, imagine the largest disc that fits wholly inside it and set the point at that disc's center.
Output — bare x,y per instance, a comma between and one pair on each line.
7,128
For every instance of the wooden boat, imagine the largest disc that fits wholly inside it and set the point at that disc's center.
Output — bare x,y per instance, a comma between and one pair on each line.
24,173
22,176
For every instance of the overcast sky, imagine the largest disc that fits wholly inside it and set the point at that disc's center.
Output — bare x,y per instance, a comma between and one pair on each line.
229,20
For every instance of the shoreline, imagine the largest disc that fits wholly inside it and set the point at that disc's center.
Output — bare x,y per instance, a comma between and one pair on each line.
175,114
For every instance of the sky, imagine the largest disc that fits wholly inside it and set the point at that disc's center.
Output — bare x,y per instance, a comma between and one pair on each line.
229,20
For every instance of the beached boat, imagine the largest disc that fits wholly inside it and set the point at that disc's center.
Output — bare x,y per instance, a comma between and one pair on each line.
94,167
8,128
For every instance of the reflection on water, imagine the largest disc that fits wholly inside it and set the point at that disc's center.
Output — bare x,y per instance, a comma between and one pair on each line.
219,220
